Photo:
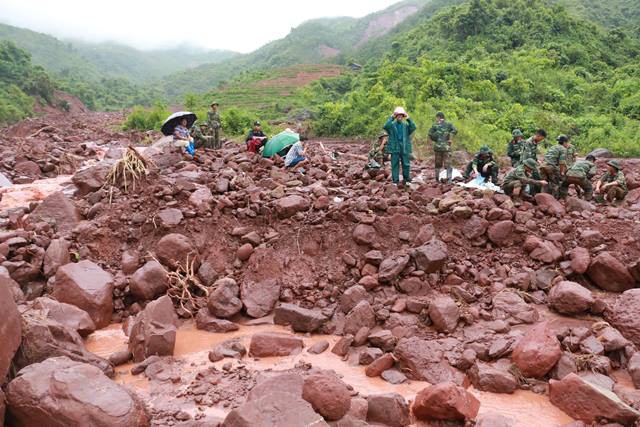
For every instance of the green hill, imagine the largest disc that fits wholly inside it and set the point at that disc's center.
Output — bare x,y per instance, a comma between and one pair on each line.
609,13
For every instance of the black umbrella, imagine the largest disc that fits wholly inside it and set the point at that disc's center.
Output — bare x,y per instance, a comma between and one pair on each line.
173,120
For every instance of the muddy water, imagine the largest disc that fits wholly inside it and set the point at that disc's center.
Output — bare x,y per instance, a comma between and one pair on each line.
192,347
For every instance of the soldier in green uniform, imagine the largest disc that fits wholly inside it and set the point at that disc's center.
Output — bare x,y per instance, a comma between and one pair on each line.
201,135
400,127
579,174
215,124
440,134
571,153
376,157
613,184
530,146
514,147
516,180
554,165
484,164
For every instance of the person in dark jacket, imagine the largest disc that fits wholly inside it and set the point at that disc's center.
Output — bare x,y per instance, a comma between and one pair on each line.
256,138
514,148
400,127
484,164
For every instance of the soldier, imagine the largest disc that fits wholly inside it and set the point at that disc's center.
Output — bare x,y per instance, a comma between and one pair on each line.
376,156
400,127
554,165
440,134
201,136
579,174
571,153
514,148
516,180
215,124
484,164
613,184
530,146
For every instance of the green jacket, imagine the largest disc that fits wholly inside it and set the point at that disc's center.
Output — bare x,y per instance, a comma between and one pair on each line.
514,148
619,177
213,118
556,155
529,150
479,162
582,169
399,142
519,174
440,134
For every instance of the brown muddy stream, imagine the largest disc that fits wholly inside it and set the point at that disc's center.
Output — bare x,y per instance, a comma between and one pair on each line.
192,346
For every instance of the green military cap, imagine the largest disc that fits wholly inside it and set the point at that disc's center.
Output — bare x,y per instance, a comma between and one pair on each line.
383,135
214,103
562,138
615,164
257,123
485,149
530,163
516,133
440,114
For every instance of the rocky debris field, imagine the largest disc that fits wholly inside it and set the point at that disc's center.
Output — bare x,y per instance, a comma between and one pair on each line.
435,284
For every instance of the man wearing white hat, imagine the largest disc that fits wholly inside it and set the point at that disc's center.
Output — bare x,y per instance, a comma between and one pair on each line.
400,127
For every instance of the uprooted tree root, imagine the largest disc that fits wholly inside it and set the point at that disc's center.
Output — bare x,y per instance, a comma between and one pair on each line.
185,289
127,171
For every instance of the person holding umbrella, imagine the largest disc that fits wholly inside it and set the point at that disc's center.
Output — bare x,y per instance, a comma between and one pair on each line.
178,125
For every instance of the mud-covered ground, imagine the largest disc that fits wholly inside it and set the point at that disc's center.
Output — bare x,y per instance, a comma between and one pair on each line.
279,298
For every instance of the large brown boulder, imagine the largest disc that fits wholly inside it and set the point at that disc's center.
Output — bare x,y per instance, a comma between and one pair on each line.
444,313
389,409
274,409
570,298
288,382
10,329
43,337
537,352
66,314
223,301
589,403
580,260
291,205
494,378
59,210
60,392
542,250
500,232
364,235
149,281
511,307
447,402
7,282
88,287
390,268
328,395
610,274
270,344
360,316
153,331
259,297
624,315
550,205
301,319
424,360
56,255
176,249
431,257
91,179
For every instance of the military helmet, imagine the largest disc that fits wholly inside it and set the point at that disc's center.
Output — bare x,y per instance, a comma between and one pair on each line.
516,133
530,163
257,123
485,149
214,103
382,135
615,164
440,114
562,139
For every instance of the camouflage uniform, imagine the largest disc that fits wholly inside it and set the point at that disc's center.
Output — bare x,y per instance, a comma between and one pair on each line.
554,160
440,134
483,160
529,150
215,124
579,174
571,155
518,178
619,192
514,147
201,137
376,156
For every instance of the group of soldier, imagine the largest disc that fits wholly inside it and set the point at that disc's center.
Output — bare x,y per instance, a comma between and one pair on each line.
558,170
207,134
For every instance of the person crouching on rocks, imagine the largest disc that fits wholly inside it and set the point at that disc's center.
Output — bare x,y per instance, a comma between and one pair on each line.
516,180
483,164
400,127
612,185
296,158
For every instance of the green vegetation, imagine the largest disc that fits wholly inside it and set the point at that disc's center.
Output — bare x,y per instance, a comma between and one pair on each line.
144,119
494,65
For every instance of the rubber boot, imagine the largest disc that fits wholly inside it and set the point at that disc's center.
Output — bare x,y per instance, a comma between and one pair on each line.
437,175
449,175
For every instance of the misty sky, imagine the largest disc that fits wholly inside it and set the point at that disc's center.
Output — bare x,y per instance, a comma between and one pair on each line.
239,25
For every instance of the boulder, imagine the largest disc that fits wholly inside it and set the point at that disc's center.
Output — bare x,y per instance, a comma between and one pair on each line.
610,274
153,331
259,297
274,409
364,234
601,153
494,378
90,179
431,257
475,227
27,168
591,238
149,281
537,352
570,298
624,315
362,315
424,360
580,260
589,403
206,322
500,232
10,329
223,300
319,347
271,344
88,287
201,199
390,268
7,282
379,365
60,392
175,249
633,367
170,217
351,297
130,261
288,382
549,204
575,204
328,395
56,255
300,319
447,401
66,314
59,210
511,307
444,313
291,205
542,250
389,409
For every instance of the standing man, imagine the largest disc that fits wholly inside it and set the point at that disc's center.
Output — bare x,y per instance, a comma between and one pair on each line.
613,184
215,124
440,134
399,127
554,165
514,148
530,146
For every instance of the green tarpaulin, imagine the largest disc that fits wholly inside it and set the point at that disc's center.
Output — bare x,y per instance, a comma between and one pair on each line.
279,142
